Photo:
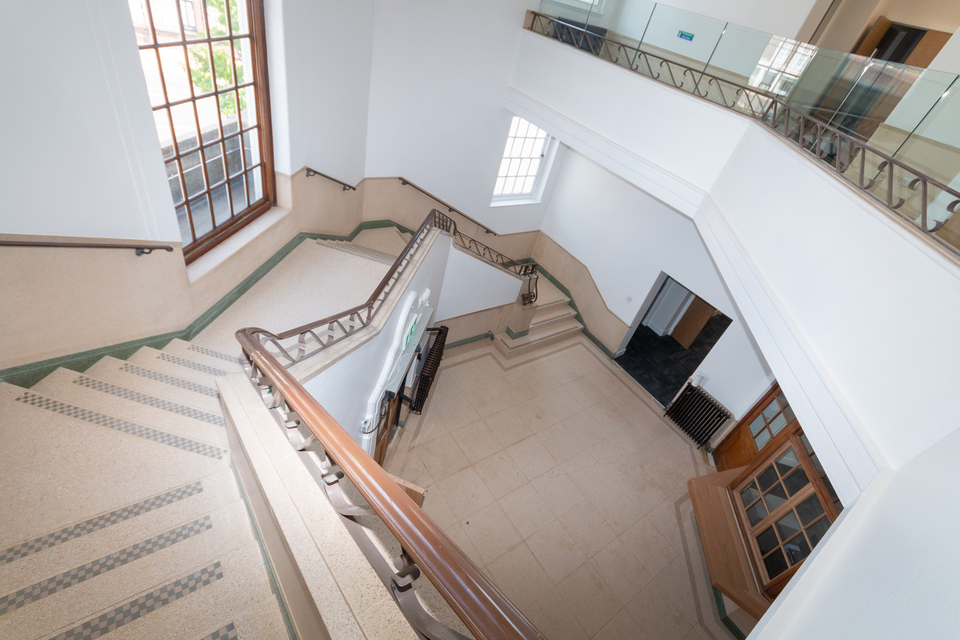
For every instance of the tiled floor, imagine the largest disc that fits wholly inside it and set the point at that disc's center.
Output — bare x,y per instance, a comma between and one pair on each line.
555,475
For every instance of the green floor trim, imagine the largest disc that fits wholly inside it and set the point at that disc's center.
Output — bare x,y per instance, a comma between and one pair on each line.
459,343
271,574
573,304
727,622
27,375
516,334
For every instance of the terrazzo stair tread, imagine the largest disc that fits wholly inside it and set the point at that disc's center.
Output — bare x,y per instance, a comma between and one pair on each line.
157,383
552,313
72,387
243,583
360,251
548,294
547,331
385,240
153,359
227,360
58,461
94,537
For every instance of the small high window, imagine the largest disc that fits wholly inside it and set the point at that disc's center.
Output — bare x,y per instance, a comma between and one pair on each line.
522,168
206,77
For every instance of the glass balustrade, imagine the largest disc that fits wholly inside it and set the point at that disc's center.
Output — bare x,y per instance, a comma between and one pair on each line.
906,113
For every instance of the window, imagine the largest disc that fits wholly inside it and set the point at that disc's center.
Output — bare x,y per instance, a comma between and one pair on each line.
521,169
774,417
206,77
780,66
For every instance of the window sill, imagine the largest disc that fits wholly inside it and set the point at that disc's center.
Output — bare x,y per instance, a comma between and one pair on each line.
235,244
513,202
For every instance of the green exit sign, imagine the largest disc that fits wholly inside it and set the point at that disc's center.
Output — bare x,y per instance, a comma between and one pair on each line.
684,35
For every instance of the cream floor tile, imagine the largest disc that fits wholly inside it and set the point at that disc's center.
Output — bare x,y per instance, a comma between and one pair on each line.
615,505
436,506
621,570
649,546
490,368
556,551
561,402
491,533
560,442
477,441
468,375
458,534
558,491
536,414
532,457
527,510
674,580
664,518
507,427
563,369
465,492
443,386
455,411
521,578
442,457
489,398
621,627
588,529
554,618
427,428
657,616
610,452
500,473
434,604
582,360
584,391
645,493
541,380
411,469
516,388
605,381
584,428
586,594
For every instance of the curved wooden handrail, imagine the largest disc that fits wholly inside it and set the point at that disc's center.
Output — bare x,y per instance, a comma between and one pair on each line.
483,608
141,249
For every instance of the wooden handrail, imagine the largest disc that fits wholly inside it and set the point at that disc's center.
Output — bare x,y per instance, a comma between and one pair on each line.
141,249
483,608
450,208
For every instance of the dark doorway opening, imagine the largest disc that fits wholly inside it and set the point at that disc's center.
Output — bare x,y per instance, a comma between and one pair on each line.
655,358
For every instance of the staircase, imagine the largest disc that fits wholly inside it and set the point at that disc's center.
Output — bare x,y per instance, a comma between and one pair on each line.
553,321
121,509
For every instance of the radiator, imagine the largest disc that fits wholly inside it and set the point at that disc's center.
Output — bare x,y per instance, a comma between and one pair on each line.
697,414
431,363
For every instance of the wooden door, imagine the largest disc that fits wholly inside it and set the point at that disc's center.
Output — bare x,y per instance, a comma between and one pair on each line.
384,429
869,44
692,322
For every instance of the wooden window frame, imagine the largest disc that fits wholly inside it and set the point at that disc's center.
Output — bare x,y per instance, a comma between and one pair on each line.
263,126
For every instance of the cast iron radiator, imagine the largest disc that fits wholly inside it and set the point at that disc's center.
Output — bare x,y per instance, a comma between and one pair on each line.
698,414
429,371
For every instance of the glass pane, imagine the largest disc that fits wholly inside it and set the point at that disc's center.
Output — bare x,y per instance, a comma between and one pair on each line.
756,513
238,194
209,122
173,180
782,399
775,497
151,73
191,13
767,541
810,509
216,17
166,21
162,120
788,411
806,443
221,205
215,168
186,236
775,564
796,549
228,113
141,24
757,425
763,438
223,64
248,107
174,66
682,36
771,410
251,147
241,53
255,185
830,490
788,526
796,481
193,174
202,222
185,125
234,163
200,76
816,463
239,22
778,423
750,494
817,530
768,478
787,461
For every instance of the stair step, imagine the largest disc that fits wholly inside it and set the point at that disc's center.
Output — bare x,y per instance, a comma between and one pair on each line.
552,313
157,383
84,391
178,366
548,294
387,240
204,355
359,251
538,337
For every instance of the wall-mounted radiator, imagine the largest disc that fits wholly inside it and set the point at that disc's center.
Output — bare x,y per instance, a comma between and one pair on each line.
697,414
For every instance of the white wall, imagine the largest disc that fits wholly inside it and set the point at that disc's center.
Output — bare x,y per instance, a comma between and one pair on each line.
344,387
471,285
780,18
627,239
938,15
319,54
436,101
949,57
81,155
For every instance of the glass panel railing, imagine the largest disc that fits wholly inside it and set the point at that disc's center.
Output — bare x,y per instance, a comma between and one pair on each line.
889,128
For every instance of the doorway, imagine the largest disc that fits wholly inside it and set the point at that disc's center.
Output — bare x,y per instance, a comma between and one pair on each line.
676,333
